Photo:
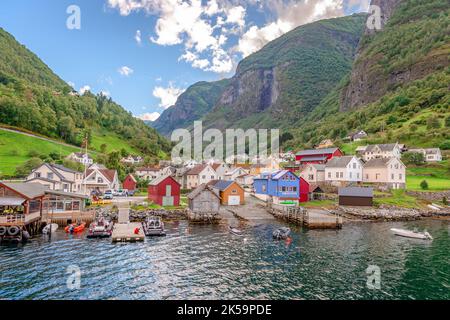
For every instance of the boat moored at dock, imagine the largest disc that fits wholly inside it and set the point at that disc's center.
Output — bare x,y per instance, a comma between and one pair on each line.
101,228
154,227
412,234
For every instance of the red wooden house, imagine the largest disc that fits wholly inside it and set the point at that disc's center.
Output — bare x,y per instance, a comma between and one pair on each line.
304,190
318,156
130,183
164,191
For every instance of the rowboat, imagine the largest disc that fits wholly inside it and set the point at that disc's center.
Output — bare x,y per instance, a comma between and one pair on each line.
73,228
281,233
235,231
412,234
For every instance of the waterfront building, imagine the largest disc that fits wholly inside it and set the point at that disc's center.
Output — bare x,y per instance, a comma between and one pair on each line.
341,171
204,200
164,191
355,196
230,192
57,177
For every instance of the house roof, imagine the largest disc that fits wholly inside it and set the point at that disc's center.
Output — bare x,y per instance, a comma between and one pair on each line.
313,158
312,152
432,151
147,169
377,163
132,177
222,185
158,180
315,188
69,194
339,162
62,168
383,147
29,190
107,173
216,165
355,192
319,167
199,190
197,169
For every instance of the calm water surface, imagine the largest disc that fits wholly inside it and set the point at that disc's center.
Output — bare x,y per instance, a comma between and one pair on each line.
198,262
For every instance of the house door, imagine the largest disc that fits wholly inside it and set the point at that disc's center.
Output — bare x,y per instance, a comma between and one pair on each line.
168,200
234,200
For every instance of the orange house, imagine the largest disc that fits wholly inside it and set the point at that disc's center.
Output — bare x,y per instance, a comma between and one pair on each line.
230,192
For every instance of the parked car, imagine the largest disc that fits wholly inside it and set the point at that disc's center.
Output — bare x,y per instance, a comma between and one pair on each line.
108,195
121,193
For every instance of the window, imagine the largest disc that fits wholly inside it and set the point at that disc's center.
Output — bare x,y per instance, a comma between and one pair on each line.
212,177
203,177
392,176
357,175
342,174
400,176
351,174
294,189
234,191
329,175
337,174
263,188
354,165
37,174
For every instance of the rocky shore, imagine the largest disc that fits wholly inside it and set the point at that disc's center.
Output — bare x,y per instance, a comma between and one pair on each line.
388,213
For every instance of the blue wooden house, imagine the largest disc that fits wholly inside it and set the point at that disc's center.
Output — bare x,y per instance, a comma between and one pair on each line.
283,186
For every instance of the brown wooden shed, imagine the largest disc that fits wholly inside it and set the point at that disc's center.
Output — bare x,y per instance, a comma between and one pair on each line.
356,196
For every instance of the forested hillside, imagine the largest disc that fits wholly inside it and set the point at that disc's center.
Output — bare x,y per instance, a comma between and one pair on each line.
34,98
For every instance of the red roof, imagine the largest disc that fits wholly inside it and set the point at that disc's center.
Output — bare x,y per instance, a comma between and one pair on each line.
197,169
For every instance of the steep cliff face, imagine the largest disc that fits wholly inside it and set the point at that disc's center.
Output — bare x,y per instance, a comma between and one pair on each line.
288,77
196,101
412,44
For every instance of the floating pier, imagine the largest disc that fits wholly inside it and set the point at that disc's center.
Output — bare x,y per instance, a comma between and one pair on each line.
124,232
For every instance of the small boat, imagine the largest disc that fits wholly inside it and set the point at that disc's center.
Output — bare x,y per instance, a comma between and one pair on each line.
101,228
235,231
281,233
154,227
412,234
50,227
75,228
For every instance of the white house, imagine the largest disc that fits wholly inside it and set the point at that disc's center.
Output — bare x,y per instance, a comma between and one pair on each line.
389,172
340,171
132,160
81,158
233,173
202,173
221,169
57,178
147,173
430,155
313,173
376,151
100,180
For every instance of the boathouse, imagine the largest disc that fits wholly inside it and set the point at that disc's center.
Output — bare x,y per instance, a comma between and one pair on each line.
354,196
130,183
164,191
204,200
230,192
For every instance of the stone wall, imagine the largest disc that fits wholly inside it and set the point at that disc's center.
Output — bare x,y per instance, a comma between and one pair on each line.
430,196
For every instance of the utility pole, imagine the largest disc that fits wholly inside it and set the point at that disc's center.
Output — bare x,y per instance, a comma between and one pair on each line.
85,161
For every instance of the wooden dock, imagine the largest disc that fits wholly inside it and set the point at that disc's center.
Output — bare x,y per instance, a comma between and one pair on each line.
124,232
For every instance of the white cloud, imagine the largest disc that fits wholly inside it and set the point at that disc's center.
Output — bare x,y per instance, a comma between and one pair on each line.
149,116
84,89
206,28
138,37
168,96
125,71
290,14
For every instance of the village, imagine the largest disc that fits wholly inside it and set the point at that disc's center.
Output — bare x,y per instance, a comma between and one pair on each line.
316,188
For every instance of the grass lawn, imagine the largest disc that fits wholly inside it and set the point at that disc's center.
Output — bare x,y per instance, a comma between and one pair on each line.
14,149
399,198
350,148
437,175
318,204
112,141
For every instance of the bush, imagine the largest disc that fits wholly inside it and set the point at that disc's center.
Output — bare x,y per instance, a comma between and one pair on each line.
34,154
424,185
445,145
415,158
26,168
445,201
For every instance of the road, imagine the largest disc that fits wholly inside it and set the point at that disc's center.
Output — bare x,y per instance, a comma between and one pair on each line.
253,211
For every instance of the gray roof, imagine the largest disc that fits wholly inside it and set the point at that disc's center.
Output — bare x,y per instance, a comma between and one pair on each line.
383,147
199,190
355,192
312,152
377,163
319,167
222,185
69,194
159,180
432,151
29,190
313,158
339,162
62,168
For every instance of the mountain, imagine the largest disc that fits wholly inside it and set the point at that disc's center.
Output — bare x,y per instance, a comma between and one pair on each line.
33,98
195,102
277,85
398,89
413,44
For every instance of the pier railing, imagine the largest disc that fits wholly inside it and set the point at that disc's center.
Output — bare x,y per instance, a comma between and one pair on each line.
19,219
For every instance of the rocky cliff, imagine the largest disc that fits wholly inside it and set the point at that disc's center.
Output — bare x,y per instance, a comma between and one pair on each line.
411,45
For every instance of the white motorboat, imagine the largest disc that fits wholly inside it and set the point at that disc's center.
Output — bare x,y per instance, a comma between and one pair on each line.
51,226
412,234
154,227
235,231
281,233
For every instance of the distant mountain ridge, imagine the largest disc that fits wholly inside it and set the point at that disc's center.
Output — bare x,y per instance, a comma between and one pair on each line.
273,87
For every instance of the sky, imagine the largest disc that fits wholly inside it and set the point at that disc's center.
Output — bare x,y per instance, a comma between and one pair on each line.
145,53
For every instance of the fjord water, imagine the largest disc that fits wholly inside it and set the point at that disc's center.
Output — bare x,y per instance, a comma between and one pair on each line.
207,262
